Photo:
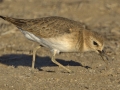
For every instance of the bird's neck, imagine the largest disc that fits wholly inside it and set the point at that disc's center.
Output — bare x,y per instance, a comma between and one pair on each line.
86,42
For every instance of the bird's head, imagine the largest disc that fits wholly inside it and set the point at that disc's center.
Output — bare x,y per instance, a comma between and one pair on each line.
94,42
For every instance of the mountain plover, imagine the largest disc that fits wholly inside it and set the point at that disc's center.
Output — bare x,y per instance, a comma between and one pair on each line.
59,35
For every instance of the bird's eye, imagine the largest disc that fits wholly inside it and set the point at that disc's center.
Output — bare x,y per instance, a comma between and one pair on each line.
95,43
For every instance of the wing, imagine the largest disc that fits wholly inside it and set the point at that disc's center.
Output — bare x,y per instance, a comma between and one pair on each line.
48,26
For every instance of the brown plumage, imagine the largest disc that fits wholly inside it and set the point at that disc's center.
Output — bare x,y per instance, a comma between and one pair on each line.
59,35
44,26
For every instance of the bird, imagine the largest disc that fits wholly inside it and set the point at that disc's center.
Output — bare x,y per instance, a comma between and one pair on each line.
59,35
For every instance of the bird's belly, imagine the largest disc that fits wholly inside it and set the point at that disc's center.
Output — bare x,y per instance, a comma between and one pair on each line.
61,44
55,43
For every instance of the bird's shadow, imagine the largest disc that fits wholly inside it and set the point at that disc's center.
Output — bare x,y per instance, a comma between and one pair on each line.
26,60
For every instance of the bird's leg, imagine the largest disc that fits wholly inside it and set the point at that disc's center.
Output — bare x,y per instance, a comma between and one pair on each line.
54,61
34,55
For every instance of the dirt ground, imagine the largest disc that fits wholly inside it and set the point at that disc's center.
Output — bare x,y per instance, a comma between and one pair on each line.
90,72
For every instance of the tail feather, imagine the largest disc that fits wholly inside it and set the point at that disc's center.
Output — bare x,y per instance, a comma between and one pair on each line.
2,17
14,21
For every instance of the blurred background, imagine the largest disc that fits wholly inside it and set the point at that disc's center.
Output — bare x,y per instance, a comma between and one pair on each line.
102,16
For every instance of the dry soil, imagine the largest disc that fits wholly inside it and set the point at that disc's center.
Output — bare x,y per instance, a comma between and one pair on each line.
90,72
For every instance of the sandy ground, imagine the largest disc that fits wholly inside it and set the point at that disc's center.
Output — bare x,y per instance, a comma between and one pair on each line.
90,71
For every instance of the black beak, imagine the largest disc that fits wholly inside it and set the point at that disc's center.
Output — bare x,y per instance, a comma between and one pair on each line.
103,55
